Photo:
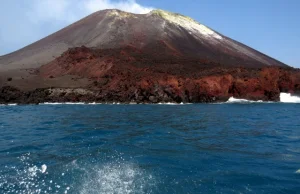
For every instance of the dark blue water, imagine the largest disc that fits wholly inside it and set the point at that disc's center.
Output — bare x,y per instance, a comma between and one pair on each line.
216,148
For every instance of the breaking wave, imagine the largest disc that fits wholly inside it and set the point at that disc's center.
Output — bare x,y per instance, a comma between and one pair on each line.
236,100
284,98
288,98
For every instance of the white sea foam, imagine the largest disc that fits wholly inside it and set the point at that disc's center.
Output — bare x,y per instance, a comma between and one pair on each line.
288,98
29,178
118,178
62,103
172,103
50,103
298,171
115,103
168,103
43,168
94,103
237,100
8,104
284,98
76,103
69,103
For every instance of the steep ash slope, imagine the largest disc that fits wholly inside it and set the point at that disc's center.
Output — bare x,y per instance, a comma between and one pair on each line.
182,35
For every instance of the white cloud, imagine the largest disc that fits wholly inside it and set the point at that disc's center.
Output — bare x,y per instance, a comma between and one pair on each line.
31,20
129,6
71,10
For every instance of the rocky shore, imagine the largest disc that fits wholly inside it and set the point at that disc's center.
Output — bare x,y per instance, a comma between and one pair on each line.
128,75
151,87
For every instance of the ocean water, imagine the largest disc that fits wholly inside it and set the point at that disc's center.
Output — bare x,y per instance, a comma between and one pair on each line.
194,148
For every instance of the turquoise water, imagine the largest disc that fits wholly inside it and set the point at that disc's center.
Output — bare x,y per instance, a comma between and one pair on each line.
205,148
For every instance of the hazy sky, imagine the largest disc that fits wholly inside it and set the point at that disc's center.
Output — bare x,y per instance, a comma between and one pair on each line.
270,26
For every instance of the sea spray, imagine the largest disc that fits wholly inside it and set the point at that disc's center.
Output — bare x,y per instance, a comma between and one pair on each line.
288,98
107,174
116,177
28,178
284,98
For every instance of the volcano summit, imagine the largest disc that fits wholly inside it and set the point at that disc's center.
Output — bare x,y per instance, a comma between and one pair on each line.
113,55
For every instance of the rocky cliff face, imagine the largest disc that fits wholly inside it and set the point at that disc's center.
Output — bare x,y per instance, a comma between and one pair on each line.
130,74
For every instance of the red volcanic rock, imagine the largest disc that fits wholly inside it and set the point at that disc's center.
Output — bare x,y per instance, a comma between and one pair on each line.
129,74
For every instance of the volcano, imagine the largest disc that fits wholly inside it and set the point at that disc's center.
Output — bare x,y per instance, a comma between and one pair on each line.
113,55
115,29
